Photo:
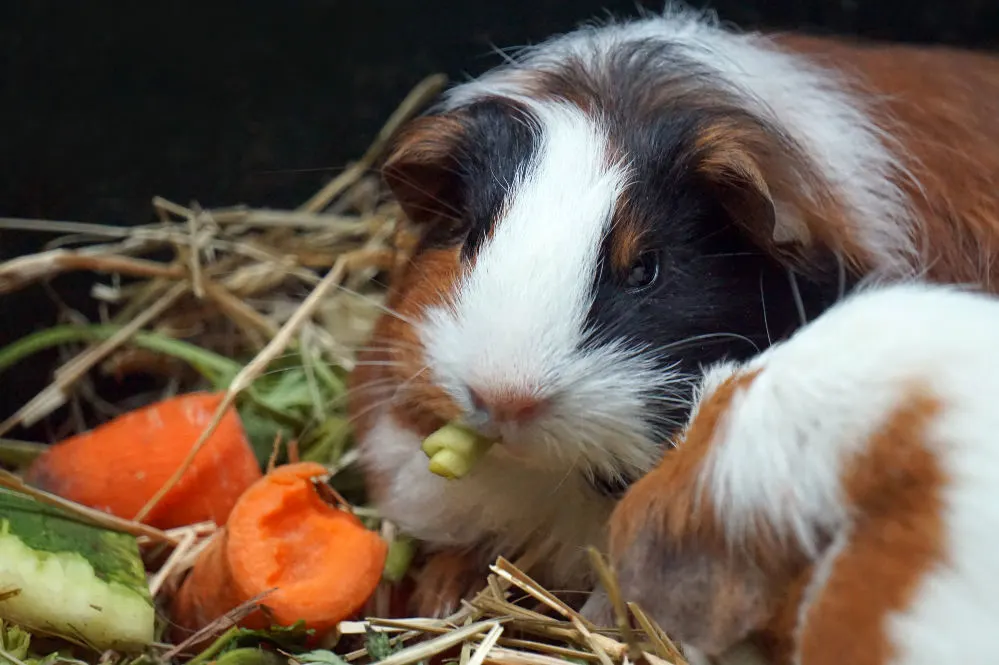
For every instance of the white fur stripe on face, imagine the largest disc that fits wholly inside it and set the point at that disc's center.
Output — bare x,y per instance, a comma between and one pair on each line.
520,312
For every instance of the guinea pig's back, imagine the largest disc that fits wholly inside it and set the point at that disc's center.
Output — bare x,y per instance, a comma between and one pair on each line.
940,107
908,376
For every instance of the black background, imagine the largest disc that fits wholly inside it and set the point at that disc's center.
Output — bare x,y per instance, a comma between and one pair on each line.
104,104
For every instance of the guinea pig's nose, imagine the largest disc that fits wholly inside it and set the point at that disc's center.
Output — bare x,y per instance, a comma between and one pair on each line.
506,407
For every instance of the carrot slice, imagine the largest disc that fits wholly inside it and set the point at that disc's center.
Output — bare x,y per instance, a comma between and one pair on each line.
118,466
321,562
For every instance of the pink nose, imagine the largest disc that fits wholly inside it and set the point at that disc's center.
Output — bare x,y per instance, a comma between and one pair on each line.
507,406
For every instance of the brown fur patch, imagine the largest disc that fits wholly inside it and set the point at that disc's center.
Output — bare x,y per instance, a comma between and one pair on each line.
420,167
626,239
753,169
671,555
895,489
942,104
776,639
425,280
389,369
445,579
727,154
666,498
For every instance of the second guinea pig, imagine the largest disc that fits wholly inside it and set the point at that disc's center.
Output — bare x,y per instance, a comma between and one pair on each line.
835,499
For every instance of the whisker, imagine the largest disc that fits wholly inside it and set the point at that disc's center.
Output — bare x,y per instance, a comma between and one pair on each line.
378,363
763,303
371,407
706,337
726,255
796,294
841,276
354,390
568,473
377,305
432,197
386,351
390,344
388,400
671,401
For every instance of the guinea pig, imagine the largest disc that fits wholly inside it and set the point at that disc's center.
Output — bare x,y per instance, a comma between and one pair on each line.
617,207
836,498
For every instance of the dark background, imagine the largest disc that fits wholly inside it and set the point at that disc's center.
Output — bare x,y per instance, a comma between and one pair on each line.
104,104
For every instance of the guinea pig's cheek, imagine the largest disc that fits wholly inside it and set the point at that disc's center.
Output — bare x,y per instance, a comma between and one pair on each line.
426,405
431,281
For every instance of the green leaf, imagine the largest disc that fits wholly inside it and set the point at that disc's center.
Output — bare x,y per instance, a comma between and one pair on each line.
287,638
379,644
290,394
14,640
329,442
55,658
262,430
217,369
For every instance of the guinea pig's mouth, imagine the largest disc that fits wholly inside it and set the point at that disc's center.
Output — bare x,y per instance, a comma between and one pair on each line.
602,409
520,439
565,431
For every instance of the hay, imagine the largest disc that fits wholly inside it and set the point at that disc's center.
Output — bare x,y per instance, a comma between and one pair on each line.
292,291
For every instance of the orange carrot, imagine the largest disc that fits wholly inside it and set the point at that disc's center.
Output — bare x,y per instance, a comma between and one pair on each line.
120,465
321,562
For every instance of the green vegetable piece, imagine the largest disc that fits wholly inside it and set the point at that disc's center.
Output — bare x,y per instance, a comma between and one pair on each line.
250,656
63,577
453,450
400,555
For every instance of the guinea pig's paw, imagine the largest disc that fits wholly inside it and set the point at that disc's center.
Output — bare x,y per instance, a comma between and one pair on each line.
597,609
447,578
698,596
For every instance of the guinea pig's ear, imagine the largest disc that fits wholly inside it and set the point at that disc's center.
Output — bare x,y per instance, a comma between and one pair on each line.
744,166
705,599
422,169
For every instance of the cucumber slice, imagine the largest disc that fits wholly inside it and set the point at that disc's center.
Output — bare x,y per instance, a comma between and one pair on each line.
70,579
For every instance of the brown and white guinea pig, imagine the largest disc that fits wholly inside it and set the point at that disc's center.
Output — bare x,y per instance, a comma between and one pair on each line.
836,498
615,208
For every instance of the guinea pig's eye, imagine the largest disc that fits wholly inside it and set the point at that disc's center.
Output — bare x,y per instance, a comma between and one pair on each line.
644,272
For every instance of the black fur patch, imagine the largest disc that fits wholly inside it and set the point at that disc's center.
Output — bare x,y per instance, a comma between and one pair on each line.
498,142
